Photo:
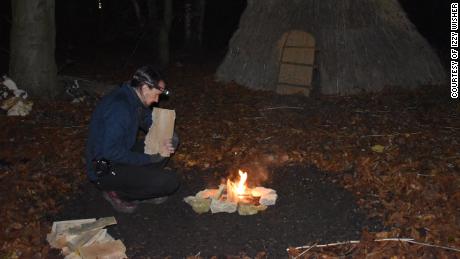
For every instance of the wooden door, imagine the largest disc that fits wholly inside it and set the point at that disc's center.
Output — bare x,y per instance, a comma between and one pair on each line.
297,56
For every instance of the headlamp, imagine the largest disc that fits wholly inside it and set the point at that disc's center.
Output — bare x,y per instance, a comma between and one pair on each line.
166,92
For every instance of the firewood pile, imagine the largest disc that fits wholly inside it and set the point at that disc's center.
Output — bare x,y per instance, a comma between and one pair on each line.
86,239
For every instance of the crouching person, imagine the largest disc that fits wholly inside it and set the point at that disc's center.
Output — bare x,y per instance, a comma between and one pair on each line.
115,159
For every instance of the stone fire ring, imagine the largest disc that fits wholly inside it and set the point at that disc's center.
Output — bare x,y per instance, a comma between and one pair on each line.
259,198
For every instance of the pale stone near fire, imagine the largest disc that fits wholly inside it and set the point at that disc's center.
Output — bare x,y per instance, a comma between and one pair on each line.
245,210
262,191
269,199
199,205
223,206
206,193
250,209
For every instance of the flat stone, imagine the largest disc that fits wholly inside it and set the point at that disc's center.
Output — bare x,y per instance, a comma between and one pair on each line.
250,209
198,205
269,199
223,206
262,191
245,210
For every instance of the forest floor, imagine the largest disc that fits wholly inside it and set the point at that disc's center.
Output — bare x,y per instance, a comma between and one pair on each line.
345,168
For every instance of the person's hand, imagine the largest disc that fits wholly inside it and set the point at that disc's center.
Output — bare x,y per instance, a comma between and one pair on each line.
167,148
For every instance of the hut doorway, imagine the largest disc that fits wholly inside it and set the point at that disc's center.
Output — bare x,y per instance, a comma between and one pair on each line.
296,61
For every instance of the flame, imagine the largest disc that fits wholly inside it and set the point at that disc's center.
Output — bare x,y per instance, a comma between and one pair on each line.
236,191
241,187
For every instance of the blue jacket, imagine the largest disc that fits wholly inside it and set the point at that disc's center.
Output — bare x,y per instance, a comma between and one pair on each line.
113,129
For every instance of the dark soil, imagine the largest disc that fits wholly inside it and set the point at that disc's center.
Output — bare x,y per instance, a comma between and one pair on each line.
310,208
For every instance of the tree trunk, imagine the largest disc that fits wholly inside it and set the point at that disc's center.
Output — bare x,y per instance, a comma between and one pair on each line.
188,15
32,46
152,6
362,46
201,12
137,11
163,36
194,11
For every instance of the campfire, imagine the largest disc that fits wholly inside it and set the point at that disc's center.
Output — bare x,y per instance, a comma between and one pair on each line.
232,197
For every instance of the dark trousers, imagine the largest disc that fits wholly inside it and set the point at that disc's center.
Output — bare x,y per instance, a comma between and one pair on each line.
141,182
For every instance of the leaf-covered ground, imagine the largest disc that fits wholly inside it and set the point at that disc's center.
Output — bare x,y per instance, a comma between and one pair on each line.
399,154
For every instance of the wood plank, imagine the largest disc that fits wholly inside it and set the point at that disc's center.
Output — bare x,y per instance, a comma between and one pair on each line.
300,38
98,224
294,74
298,55
111,249
162,128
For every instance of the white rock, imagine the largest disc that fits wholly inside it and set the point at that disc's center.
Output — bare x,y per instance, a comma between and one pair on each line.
206,193
223,206
268,199
189,199
250,209
199,205
262,191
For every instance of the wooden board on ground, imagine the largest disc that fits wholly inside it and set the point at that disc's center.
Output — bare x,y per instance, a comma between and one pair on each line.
107,250
162,128
297,56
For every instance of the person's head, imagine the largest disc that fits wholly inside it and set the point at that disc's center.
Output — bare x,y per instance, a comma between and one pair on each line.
149,84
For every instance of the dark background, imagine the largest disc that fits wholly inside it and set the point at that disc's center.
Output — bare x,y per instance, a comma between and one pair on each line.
82,28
